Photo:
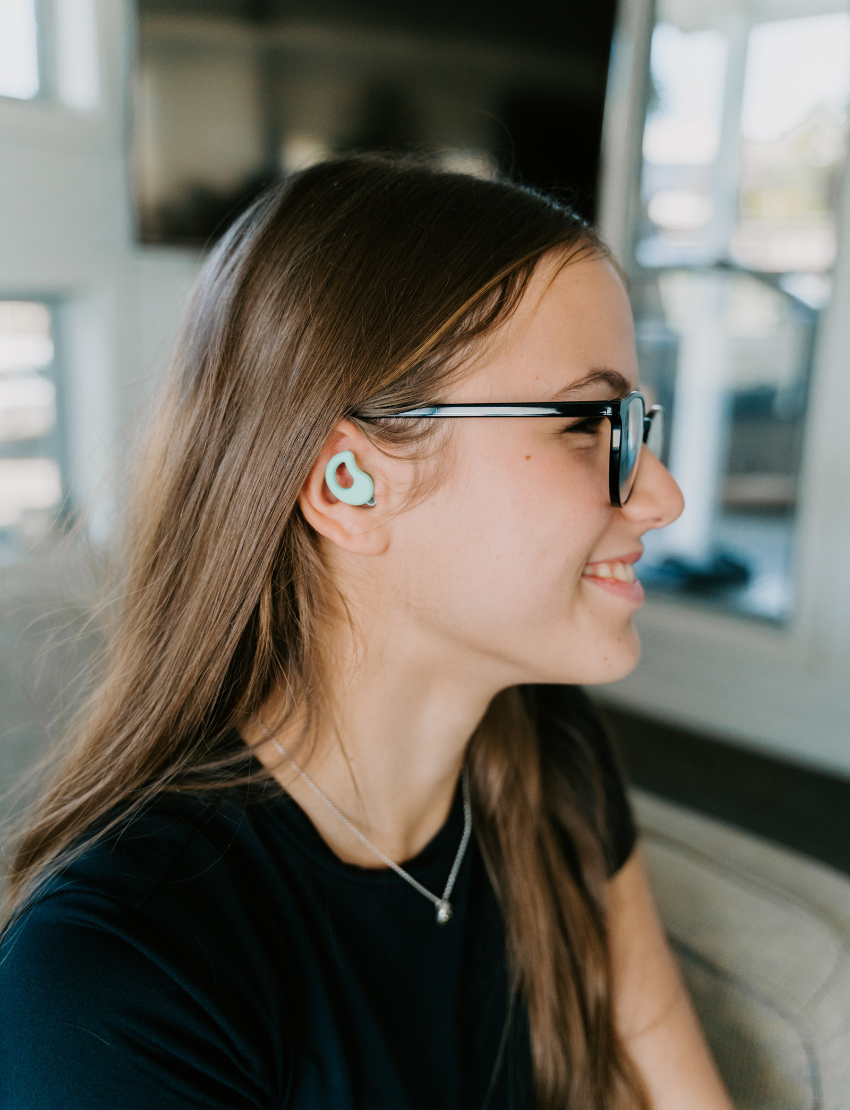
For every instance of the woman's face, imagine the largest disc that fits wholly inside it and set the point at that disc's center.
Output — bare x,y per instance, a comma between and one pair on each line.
517,560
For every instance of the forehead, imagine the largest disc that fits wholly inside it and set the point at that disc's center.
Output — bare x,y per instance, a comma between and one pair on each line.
573,320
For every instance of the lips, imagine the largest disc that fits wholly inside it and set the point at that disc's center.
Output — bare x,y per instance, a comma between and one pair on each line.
622,572
617,576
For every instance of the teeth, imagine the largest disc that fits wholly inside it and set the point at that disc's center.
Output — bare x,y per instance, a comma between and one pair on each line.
622,572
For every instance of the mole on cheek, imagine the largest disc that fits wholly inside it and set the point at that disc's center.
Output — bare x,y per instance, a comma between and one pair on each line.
527,457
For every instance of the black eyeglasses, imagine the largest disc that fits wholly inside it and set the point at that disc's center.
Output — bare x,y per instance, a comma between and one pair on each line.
631,427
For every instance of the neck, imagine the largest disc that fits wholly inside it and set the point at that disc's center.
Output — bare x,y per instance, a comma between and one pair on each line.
390,751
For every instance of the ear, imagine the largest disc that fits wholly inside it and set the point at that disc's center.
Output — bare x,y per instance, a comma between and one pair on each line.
361,529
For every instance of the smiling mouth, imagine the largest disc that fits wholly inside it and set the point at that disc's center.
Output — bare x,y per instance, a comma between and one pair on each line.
619,572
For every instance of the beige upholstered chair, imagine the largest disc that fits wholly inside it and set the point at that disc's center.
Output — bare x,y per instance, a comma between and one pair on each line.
763,938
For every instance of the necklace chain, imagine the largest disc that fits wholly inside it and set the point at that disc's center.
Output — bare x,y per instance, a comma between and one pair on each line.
444,906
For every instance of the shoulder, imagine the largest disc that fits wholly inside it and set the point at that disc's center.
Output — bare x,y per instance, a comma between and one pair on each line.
175,838
129,964
184,865
577,754
134,883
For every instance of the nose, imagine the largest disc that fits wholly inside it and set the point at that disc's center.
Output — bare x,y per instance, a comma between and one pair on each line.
656,499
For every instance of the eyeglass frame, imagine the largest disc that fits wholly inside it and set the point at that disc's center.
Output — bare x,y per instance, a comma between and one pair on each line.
610,409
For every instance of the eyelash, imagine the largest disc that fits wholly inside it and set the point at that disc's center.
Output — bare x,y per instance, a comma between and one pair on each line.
588,426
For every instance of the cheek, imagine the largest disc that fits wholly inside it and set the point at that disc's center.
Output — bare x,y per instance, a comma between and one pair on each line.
554,513
516,538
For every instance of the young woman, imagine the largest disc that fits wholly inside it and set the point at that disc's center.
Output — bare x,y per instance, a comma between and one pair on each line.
339,831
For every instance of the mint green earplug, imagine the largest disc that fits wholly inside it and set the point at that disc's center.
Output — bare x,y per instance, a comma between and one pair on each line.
362,492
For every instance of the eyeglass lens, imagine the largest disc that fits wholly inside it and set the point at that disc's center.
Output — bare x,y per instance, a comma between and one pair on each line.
631,418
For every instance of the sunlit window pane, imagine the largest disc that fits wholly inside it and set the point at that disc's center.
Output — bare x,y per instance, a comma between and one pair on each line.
681,144
795,68
27,484
793,126
683,123
27,407
30,429
18,49
25,339
77,69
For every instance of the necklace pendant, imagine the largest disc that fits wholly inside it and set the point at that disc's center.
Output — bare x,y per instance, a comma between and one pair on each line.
444,912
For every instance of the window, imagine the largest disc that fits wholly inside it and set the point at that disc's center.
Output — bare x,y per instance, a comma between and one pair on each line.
18,49
743,146
77,67
30,441
73,76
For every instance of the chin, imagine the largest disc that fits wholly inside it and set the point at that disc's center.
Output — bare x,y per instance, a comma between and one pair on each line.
619,662
589,673
611,660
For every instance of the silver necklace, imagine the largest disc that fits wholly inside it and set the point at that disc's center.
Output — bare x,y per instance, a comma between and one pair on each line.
444,906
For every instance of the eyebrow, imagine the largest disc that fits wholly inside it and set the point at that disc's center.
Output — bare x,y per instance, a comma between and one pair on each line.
613,379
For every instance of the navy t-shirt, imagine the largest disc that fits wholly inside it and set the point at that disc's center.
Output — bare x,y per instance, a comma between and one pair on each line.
218,954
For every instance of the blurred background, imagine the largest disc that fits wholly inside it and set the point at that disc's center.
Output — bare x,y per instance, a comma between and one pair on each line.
706,137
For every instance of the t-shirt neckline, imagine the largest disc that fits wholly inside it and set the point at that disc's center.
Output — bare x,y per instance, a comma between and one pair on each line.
299,829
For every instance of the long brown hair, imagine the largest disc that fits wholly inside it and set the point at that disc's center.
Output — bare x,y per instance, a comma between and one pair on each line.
353,289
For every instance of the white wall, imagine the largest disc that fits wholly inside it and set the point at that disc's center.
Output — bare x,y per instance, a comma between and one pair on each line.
66,235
